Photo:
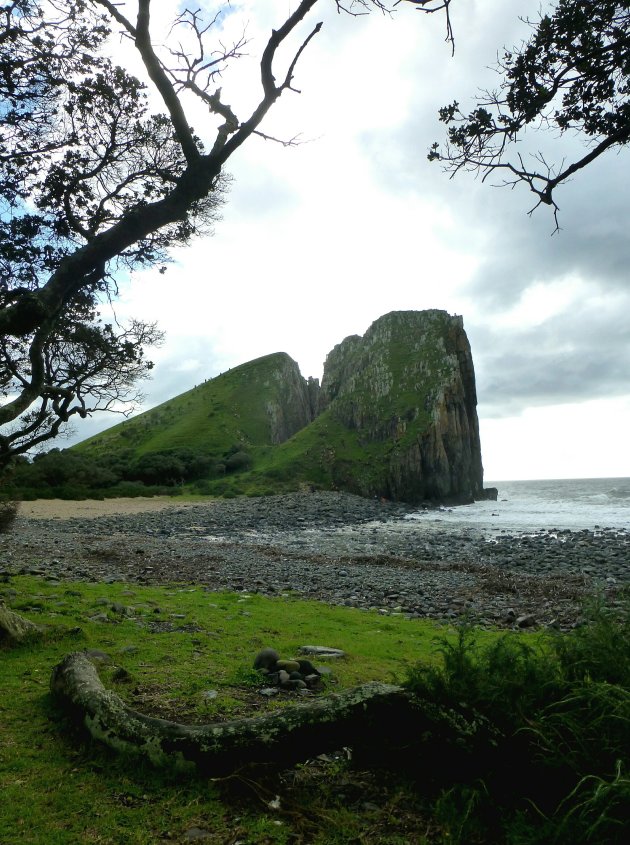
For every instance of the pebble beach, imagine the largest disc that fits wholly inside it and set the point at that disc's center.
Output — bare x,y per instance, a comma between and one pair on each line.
330,547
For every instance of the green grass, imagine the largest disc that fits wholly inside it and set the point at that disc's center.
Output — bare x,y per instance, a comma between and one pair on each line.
208,419
57,788
520,739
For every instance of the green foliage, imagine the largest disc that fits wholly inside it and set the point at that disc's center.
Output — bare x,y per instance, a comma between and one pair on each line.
573,75
540,731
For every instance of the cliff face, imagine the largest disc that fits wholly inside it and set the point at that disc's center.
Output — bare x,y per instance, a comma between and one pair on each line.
408,385
291,406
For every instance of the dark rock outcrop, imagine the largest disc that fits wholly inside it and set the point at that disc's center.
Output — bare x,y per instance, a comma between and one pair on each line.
292,405
407,388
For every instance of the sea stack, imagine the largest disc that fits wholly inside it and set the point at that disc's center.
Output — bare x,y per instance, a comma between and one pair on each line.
407,388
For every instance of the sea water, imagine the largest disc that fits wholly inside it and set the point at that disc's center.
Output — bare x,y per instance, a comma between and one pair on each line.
524,506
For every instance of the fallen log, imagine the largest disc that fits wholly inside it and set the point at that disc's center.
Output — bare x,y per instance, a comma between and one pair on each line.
283,737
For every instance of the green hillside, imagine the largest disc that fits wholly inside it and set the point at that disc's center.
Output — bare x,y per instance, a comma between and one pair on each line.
209,419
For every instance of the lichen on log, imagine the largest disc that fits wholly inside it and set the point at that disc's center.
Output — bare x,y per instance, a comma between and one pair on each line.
283,737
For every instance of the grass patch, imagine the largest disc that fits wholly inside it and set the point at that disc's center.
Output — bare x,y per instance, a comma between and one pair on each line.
520,739
169,647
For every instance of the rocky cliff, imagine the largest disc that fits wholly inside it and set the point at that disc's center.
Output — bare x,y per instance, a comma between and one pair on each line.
292,399
408,387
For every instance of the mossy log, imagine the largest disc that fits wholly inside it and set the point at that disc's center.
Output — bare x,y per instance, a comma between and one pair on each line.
283,737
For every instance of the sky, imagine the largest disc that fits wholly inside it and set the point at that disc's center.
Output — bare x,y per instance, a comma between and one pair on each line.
319,240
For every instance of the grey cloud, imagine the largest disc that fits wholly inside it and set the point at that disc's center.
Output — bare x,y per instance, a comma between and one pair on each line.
577,355
519,249
593,242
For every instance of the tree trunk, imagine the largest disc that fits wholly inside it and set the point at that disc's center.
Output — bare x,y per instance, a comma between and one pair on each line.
284,737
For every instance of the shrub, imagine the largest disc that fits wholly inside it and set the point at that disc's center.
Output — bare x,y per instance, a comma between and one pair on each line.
542,727
237,461
8,514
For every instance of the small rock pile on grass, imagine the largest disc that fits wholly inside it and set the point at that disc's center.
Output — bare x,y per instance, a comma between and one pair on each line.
295,674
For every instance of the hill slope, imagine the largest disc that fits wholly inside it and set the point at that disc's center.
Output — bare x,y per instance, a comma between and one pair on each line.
259,403
395,417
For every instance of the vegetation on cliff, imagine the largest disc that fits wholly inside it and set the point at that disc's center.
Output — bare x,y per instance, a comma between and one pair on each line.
395,417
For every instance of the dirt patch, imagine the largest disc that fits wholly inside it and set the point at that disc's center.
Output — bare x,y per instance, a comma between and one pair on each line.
93,508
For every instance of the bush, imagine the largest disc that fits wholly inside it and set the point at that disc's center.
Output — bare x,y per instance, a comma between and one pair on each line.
8,515
237,461
543,727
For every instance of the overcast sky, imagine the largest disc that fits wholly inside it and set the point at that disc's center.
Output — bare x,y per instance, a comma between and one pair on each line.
318,241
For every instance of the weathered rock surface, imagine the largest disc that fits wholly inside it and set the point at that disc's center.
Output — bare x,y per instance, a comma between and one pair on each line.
291,407
407,387
14,628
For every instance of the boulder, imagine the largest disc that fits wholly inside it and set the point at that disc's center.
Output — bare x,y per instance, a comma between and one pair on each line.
15,629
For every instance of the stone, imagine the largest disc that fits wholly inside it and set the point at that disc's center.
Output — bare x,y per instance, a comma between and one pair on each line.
14,628
324,670
196,834
121,676
97,656
288,665
291,684
307,668
526,621
266,658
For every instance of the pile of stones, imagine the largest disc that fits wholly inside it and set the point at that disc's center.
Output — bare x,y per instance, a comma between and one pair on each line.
297,674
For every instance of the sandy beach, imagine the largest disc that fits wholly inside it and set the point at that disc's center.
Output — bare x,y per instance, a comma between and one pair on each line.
94,508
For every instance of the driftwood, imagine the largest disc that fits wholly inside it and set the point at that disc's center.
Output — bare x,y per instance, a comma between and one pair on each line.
286,736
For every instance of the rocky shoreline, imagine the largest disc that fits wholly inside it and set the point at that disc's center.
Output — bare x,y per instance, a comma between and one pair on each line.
336,548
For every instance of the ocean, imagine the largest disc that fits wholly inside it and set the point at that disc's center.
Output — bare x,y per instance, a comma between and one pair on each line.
524,506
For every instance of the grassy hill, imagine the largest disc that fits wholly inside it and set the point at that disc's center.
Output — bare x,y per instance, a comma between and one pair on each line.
395,416
209,419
